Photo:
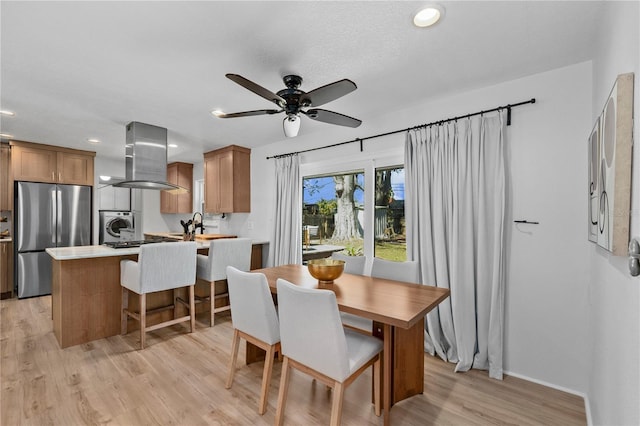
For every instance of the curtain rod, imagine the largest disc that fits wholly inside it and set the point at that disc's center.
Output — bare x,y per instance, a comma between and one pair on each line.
434,123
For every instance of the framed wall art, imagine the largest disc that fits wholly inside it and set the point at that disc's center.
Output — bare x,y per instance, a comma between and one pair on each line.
614,170
594,193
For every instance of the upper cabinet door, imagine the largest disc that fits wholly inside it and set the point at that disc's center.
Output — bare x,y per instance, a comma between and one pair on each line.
75,169
211,184
227,180
34,164
180,174
167,199
184,178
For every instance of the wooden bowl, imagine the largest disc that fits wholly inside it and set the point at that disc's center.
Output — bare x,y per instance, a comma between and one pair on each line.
325,270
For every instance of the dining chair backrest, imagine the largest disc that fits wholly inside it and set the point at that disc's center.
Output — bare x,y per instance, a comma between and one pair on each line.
252,308
398,271
224,252
352,264
311,331
162,266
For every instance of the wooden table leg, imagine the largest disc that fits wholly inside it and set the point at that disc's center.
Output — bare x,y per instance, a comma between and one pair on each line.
386,374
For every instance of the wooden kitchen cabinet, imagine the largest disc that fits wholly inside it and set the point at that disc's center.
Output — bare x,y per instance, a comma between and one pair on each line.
6,269
5,201
227,180
75,168
46,163
180,174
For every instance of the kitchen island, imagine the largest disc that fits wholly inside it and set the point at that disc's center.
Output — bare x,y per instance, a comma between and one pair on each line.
86,296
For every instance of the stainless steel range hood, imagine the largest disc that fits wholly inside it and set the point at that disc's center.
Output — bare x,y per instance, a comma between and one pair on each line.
146,158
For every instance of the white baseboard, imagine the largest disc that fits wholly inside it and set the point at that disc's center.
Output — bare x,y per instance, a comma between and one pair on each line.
584,396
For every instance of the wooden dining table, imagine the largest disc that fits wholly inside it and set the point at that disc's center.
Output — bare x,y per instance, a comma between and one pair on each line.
397,310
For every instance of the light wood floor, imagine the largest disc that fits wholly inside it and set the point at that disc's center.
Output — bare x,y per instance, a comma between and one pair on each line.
179,380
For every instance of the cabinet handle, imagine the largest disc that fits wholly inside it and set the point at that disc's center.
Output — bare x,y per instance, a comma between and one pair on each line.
59,176
53,175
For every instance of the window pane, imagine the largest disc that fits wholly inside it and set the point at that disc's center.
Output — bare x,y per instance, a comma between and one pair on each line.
332,213
389,224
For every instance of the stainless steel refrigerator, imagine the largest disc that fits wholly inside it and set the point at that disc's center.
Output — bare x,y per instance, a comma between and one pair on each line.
46,215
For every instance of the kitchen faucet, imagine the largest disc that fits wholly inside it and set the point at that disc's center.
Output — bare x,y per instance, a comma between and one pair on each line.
198,224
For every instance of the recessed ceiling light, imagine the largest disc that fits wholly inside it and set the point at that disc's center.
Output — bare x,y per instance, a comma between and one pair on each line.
428,16
93,141
9,113
217,112
5,135
173,145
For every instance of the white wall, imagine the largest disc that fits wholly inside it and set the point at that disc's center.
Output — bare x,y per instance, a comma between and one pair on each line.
546,300
546,306
614,299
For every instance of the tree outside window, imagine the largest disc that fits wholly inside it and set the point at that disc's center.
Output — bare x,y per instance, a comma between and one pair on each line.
332,207
389,221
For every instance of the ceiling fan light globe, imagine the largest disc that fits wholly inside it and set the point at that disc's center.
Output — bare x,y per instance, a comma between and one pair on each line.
291,126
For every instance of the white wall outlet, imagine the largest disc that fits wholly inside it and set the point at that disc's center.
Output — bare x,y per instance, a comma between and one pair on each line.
250,225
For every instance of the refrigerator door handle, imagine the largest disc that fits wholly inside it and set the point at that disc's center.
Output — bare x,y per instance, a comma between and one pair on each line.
58,217
54,208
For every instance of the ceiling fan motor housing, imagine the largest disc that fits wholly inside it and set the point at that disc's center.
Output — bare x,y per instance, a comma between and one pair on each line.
292,94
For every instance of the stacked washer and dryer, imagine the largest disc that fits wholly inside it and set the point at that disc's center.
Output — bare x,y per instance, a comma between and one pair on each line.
116,219
115,226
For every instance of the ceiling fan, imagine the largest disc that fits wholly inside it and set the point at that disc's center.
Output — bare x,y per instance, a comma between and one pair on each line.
292,101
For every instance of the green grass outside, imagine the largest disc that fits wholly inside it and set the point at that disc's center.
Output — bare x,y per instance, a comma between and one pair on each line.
396,251
391,251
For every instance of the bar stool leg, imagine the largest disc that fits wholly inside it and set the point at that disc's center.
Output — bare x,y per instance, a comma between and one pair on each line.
192,307
175,305
143,318
123,314
213,300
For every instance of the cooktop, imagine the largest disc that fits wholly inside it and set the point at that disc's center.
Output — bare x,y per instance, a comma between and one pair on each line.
138,243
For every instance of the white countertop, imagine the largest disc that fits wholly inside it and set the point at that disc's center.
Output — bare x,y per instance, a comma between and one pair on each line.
86,252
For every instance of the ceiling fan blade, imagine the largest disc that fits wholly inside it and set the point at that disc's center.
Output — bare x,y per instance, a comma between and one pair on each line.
328,93
332,117
257,89
248,113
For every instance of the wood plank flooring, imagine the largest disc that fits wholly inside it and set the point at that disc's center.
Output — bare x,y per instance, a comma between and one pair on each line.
179,380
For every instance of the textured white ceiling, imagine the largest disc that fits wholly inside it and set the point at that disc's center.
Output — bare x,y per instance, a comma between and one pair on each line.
78,70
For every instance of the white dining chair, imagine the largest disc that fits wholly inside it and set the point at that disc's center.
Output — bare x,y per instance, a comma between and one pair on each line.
398,271
352,264
314,342
212,271
255,320
406,271
160,266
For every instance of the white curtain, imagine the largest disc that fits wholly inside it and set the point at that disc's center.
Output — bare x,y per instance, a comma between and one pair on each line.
287,240
455,208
